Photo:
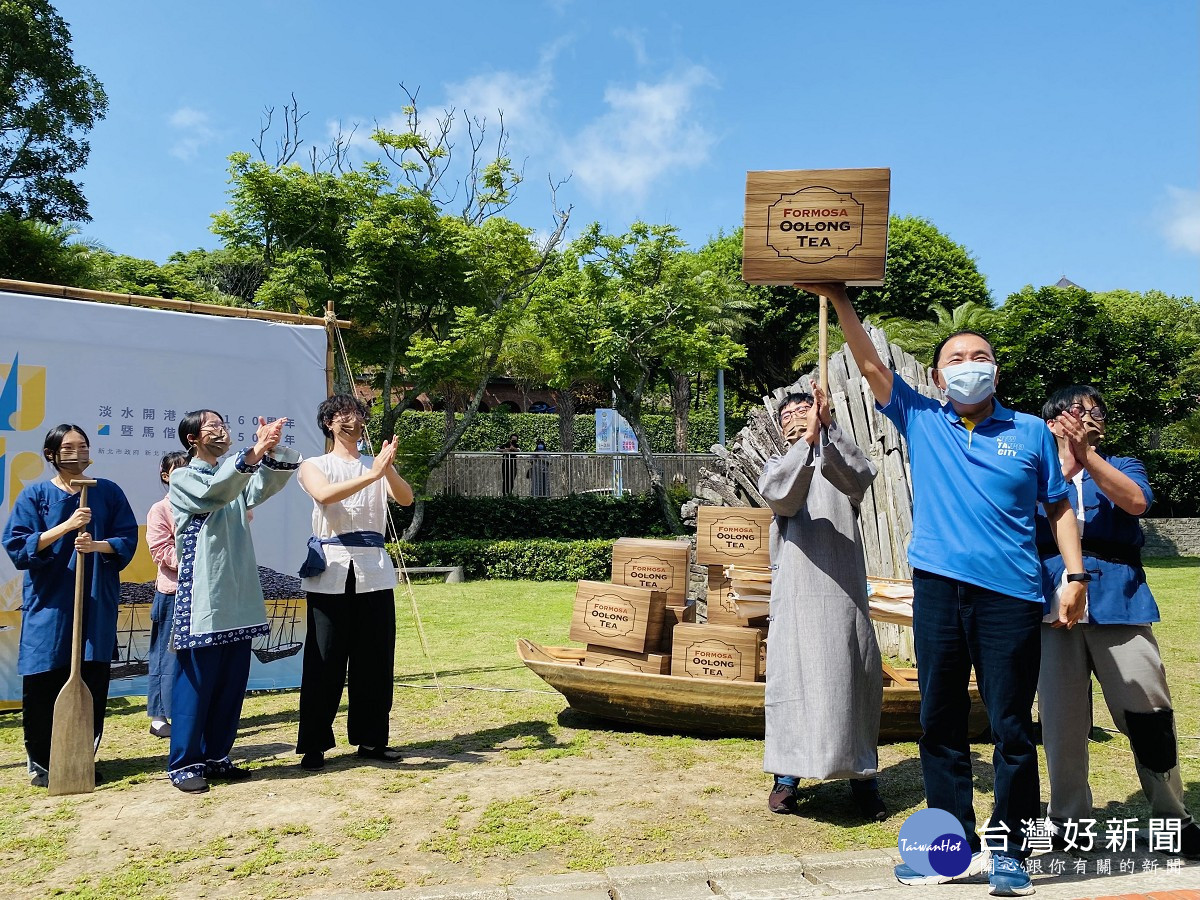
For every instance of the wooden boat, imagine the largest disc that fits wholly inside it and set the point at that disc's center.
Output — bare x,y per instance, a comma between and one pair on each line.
707,706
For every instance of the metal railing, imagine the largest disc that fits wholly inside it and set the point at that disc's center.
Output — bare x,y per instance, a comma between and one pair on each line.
559,474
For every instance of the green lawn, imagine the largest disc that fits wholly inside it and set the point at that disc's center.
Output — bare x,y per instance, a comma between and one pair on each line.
499,780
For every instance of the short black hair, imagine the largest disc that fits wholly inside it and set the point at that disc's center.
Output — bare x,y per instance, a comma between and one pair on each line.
54,438
336,405
1064,398
190,425
794,397
172,460
937,351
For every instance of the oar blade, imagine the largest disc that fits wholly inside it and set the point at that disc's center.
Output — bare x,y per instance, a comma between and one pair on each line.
72,741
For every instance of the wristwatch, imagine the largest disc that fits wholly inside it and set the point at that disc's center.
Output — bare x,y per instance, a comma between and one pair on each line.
1084,577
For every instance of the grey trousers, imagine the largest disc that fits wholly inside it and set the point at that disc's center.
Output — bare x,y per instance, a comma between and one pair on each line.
1128,665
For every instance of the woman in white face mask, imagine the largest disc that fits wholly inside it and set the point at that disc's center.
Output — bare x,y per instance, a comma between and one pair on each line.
350,583
48,535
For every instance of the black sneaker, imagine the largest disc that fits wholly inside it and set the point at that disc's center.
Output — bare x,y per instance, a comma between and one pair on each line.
866,797
312,761
783,799
225,770
37,779
1189,841
386,754
197,784
230,773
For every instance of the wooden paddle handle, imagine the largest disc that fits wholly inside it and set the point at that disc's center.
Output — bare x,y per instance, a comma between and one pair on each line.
823,341
77,624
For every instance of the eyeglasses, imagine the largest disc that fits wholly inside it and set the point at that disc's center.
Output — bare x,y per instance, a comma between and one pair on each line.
1095,413
794,412
215,429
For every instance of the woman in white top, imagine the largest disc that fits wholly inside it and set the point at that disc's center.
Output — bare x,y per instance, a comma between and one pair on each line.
350,581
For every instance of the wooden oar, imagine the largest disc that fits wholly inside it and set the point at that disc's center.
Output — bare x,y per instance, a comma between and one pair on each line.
73,736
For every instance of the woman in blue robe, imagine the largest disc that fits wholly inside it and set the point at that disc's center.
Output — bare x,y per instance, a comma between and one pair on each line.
46,536
219,607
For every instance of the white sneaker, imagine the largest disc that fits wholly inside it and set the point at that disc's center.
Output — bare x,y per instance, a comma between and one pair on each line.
906,874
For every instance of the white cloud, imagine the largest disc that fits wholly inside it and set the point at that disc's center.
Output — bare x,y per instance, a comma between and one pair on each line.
649,130
1182,221
523,98
193,130
636,38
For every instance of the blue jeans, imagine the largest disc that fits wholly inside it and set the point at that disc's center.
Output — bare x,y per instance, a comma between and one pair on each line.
161,659
956,626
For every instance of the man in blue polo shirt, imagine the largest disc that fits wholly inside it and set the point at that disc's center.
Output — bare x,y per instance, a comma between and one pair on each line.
979,471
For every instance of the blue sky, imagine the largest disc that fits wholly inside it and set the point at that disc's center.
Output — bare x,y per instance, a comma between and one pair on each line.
1049,138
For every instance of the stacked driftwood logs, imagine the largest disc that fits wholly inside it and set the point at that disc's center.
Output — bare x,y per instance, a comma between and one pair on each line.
885,515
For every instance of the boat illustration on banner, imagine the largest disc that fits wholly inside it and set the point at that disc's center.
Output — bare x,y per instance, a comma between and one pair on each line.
132,657
286,615
280,643
133,641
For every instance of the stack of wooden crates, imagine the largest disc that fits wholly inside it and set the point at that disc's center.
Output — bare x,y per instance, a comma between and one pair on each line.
628,624
642,620
727,536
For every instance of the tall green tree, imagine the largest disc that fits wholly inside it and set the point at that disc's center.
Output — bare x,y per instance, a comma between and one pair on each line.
48,102
925,269
920,336
1053,337
31,250
569,366
432,292
651,310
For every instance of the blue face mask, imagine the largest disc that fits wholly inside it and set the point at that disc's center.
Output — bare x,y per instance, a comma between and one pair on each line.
970,383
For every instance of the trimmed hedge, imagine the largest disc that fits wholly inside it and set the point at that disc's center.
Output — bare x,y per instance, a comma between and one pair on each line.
489,430
1175,478
579,516
530,560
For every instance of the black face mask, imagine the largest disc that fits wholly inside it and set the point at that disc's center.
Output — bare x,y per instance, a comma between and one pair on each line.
72,465
216,447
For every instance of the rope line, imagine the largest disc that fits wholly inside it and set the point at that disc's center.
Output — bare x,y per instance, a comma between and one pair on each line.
331,322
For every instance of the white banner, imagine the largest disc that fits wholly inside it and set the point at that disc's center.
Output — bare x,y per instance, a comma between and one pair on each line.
126,376
613,433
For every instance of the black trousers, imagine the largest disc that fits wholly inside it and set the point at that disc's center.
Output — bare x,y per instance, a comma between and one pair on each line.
38,693
351,641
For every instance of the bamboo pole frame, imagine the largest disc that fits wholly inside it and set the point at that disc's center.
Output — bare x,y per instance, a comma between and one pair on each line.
211,309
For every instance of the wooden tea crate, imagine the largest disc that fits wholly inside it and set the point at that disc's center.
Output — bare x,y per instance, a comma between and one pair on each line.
656,565
617,616
816,225
672,616
607,658
716,651
721,608
733,534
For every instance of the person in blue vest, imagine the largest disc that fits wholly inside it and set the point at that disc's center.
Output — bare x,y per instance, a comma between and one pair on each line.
48,535
1115,637
979,472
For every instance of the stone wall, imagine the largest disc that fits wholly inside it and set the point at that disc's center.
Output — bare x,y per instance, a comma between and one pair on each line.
1171,537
